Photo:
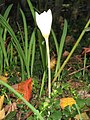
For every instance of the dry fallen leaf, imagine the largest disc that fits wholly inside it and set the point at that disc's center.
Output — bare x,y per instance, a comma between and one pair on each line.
24,88
3,78
1,101
2,114
65,54
53,63
84,94
6,74
66,101
69,39
84,116
86,50
11,107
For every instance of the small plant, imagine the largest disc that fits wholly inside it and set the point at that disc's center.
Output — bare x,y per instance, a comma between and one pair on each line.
44,21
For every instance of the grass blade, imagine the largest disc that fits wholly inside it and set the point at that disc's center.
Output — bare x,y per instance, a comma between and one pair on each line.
26,34
4,50
42,50
14,38
43,81
30,48
61,46
1,60
6,14
21,35
55,40
33,54
7,11
31,8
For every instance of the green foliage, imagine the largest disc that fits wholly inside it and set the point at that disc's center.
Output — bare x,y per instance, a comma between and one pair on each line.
81,103
60,49
87,101
3,51
24,54
31,8
11,116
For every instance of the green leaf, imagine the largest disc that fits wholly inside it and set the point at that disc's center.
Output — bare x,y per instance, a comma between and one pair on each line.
87,101
61,46
4,50
80,102
78,75
26,34
6,15
42,50
33,55
31,8
57,115
7,11
11,115
55,40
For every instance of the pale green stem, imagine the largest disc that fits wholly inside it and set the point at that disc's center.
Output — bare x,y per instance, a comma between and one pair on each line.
49,71
42,85
78,111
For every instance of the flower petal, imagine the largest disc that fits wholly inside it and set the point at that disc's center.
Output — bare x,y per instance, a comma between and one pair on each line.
44,21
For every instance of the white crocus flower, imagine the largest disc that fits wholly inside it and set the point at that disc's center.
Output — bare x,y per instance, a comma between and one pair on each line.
44,22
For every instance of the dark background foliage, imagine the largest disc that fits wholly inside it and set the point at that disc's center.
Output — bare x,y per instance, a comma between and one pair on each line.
73,10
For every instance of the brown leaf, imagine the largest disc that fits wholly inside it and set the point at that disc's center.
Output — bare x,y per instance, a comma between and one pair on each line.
78,58
69,39
65,54
11,107
75,84
53,63
86,50
84,94
84,116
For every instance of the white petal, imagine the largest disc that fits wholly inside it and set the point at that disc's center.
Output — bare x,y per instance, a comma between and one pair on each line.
44,21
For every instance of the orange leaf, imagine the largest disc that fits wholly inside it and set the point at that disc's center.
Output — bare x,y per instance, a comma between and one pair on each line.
25,88
67,101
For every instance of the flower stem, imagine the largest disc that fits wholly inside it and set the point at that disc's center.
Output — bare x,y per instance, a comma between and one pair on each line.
49,71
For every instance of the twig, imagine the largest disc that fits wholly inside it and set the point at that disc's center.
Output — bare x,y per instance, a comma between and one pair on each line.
79,70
